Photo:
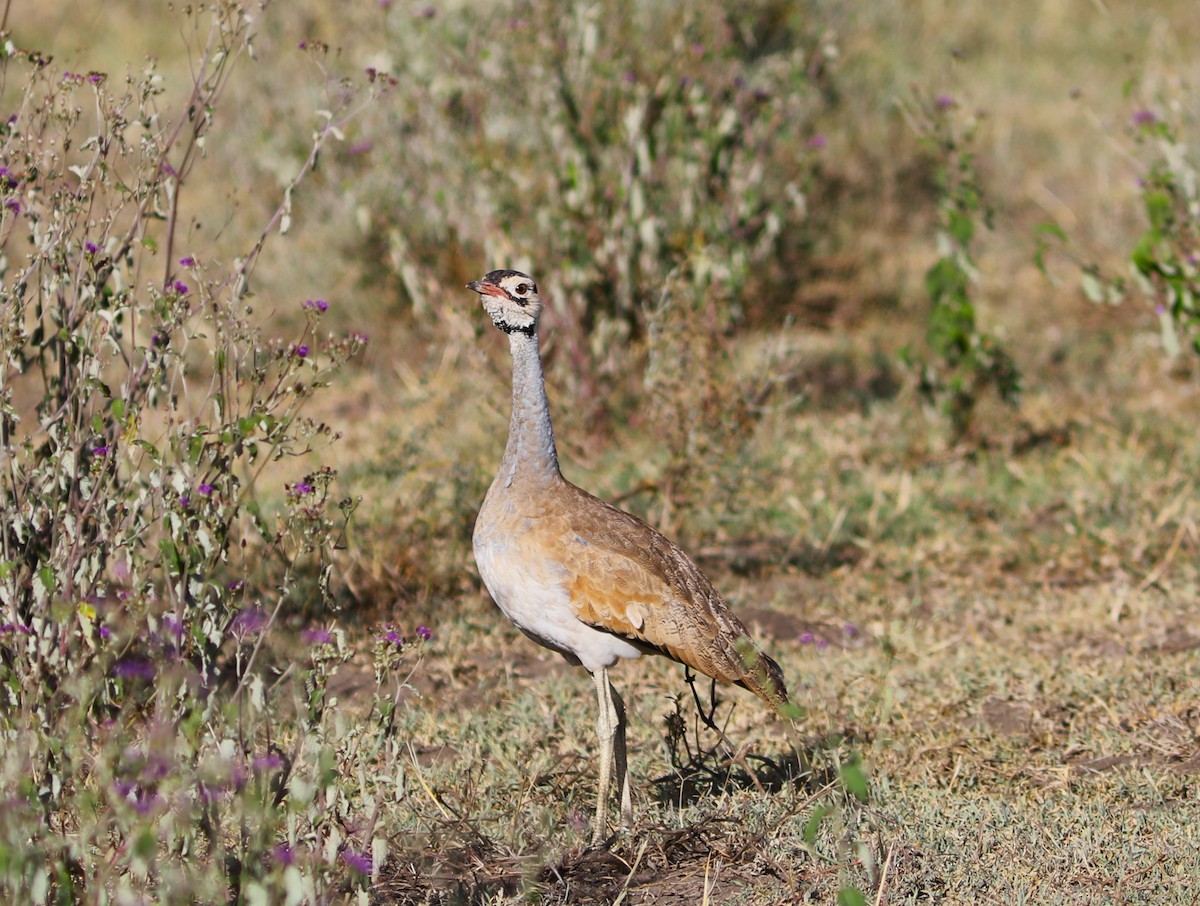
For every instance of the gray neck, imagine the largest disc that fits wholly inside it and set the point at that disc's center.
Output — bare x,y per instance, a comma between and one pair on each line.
530,452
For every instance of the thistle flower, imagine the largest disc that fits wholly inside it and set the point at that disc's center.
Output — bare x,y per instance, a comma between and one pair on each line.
359,862
270,762
134,668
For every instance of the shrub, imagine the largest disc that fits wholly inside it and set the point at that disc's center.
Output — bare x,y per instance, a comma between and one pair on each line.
1166,256
963,362
627,141
140,572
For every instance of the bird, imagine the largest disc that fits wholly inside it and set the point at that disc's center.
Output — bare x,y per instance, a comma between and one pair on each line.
586,579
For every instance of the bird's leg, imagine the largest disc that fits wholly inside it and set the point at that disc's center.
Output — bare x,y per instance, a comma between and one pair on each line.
621,758
606,727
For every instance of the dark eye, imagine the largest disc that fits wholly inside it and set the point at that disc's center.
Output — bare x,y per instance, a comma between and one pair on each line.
523,289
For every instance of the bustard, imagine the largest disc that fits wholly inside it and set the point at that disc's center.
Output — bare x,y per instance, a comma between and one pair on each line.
582,577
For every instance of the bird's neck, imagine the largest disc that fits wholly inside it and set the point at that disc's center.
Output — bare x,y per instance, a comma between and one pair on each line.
530,453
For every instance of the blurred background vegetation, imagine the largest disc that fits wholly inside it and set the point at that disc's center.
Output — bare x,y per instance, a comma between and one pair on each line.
880,308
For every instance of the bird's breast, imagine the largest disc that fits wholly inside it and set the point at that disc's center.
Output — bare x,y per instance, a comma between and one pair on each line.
532,587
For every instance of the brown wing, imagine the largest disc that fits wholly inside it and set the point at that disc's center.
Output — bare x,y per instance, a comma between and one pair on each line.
628,579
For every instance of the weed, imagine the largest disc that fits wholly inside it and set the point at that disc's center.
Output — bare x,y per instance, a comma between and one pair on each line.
965,362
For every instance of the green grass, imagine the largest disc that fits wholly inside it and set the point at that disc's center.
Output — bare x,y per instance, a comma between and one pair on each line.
1004,629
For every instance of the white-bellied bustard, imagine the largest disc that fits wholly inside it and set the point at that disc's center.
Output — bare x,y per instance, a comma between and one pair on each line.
583,578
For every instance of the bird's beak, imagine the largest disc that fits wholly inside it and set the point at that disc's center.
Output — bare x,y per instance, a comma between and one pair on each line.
485,289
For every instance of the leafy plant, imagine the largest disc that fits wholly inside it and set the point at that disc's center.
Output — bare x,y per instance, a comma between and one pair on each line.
963,361
1166,257
614,154
141,568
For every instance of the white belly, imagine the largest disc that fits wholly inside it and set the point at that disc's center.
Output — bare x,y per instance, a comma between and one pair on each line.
532,593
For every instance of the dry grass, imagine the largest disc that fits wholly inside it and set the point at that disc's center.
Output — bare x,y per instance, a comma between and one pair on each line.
1007,632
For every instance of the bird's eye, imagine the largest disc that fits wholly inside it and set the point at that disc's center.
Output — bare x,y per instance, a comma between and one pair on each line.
522,289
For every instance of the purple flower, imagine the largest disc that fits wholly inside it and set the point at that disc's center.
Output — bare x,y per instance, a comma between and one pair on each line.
391,635
205,489
91,247
1144,118
806,638
359,862
249,621
180,287
100,450
300,488
168,169
124,787
15,627
817,141
359,337
13,205
95,77
105,632
851,630
145,802
270,762
424,633
184,501
173,625
133,668
944,102
822,644
236,585
283,854
316,636
360,147
187,261
316,305
301,350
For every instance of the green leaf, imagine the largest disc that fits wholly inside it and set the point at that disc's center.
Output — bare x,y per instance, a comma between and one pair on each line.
1051,229
118,408
171,554
1143,254
851,896
1159,209
149,448
946,280
813,826
46,575
961,227
854,779
146,844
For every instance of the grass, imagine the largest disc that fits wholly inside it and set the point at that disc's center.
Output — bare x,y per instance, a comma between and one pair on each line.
1004,629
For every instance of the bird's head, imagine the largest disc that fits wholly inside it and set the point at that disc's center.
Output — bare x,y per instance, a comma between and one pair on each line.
511,299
